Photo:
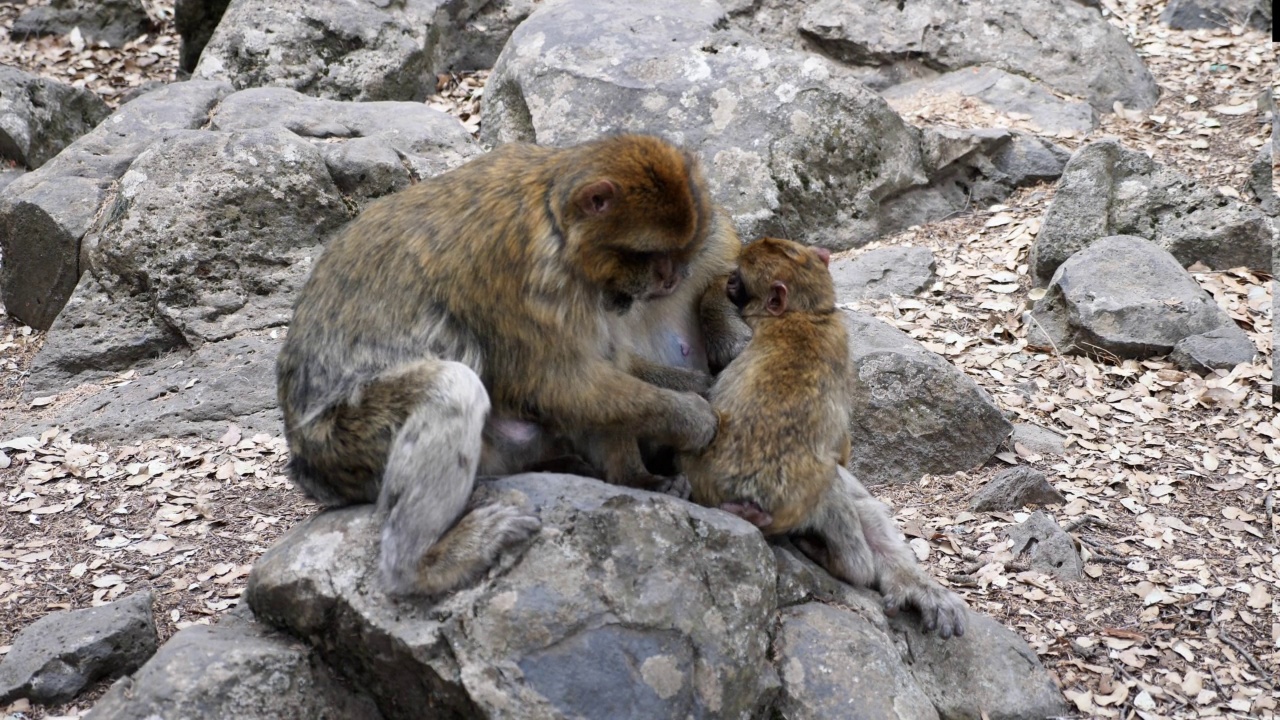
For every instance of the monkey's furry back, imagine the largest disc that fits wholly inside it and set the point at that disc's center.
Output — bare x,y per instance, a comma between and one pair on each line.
394,247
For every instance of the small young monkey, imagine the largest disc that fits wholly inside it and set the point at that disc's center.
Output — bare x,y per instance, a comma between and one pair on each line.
778,458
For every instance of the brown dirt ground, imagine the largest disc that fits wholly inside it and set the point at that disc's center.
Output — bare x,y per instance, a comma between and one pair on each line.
1170,478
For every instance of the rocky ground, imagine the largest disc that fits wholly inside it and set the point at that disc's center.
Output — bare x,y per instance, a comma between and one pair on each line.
1170,477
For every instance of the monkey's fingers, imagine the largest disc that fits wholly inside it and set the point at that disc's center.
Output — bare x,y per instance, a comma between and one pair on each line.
940,609
678,486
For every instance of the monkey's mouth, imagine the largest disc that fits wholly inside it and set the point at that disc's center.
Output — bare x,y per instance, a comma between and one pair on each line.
665,288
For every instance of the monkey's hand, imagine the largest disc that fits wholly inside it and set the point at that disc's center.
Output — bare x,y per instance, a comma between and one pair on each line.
677,486
940,609
696,424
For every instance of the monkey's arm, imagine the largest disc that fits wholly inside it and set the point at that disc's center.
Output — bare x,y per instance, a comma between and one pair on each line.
671,378
725,331
604,398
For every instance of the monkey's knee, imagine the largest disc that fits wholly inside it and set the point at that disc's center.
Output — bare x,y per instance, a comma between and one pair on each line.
431,467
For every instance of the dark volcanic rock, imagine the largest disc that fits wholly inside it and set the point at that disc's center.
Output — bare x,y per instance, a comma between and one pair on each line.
62,653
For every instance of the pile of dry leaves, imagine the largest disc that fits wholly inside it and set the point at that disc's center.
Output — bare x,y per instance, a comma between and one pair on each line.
1171,478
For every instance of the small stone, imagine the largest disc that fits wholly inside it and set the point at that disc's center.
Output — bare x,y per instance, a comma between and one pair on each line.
1046,546
1015,487
1220,349
237,668
1041,441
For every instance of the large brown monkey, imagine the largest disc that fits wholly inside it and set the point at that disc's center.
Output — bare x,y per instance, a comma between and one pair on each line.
497,285
778,458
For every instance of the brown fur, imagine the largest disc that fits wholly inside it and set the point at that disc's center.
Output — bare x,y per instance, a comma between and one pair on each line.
675,342
494,287
778,460
784,457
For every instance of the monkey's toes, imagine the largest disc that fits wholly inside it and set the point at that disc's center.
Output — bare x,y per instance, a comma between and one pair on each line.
943,611
508,525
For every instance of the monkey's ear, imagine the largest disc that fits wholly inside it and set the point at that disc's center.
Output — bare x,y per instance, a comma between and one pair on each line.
824,255
777,302
596,198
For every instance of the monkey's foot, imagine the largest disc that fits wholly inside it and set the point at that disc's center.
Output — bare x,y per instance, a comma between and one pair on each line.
473,546
940,609
748,511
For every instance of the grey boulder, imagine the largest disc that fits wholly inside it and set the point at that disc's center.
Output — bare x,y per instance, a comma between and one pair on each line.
45,214
1107,189
1126,296
992,674
1064,44
192,266
834,663
789,143
913,412
883,272
62,653
794,145
608,613
970,167
39,117
114,22
1003,92
329,48
178,394
832,639
234,669
629,604
370,148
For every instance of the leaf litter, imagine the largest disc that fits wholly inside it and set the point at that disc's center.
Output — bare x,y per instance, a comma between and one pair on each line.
1170,477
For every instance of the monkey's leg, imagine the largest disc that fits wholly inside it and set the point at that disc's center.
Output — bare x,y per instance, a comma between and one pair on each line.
842,549
427,482
619,456
897,575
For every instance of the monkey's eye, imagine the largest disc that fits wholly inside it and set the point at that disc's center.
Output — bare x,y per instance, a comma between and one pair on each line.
632,257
